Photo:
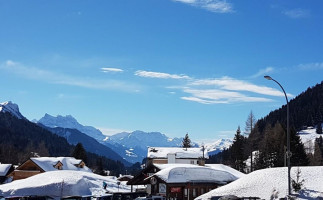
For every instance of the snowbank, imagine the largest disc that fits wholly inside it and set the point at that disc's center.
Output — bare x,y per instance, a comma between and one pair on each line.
62,183
263,183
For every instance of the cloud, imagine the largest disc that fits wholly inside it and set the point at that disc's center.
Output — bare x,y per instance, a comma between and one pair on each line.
297,13
34,73
227,83
263,72
105,69
311,66
215,96
160,75
217,6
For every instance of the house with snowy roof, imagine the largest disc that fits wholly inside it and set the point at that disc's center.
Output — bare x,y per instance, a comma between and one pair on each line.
185,181
5,169
176,155
34,166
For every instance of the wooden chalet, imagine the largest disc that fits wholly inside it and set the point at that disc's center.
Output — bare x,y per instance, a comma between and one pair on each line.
34,166
184,181
181,173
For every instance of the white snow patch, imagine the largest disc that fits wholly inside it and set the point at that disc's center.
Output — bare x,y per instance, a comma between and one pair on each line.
263,183
182,173
57,184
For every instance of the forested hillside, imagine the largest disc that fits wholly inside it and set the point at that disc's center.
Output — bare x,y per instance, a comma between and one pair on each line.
267,138
21,139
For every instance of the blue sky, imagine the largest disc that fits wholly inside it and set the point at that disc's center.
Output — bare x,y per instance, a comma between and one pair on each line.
173,66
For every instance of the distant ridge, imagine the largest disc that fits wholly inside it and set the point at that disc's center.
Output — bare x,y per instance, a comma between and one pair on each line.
69,121
12,108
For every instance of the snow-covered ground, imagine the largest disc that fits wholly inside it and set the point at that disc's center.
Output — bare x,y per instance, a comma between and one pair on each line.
308,137
264,183
62,183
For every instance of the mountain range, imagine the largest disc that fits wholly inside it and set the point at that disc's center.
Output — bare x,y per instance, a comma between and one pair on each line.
127,147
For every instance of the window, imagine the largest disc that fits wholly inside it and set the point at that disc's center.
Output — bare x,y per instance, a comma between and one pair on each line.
192,162
194,192
202,190
185,192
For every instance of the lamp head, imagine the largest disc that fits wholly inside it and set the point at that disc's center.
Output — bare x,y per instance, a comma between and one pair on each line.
268,77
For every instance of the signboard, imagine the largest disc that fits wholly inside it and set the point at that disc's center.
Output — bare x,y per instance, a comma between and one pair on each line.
175,189
162,188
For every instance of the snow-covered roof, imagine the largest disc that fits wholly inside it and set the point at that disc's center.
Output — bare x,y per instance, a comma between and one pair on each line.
4,168
62,183
184,173
48,163
163,152
273,181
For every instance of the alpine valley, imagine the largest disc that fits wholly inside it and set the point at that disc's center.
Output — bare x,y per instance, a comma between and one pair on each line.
126,147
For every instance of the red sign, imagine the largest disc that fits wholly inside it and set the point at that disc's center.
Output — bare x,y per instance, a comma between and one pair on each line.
175,189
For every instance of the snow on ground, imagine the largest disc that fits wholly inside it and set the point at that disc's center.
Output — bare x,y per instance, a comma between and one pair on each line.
62,183
308,137
263,183
308,134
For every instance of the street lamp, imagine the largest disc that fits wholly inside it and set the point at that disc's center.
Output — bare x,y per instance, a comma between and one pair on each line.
288,153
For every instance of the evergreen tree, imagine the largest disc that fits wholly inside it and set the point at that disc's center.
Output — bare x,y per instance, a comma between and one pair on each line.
237,149
186,143
319,128
79,152
299,157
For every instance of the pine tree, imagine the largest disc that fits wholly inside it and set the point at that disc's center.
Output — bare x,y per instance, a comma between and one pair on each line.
299,157
79,152
237,151
319,128
186,143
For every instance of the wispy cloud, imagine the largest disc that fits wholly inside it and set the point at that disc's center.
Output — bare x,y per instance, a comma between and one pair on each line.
63,79
311,66
297,13
263,72
217,91
106,69
212,96
217,6
160,75
227,83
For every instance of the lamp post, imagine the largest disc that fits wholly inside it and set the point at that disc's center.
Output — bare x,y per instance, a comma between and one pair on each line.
288,153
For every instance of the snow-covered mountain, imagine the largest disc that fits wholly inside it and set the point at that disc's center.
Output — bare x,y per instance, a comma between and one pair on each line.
12,108
133,146
70,122
218,146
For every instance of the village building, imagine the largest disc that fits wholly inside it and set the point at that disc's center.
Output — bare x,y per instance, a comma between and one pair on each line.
177,178
174,155
5,169
34,166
